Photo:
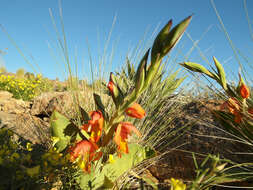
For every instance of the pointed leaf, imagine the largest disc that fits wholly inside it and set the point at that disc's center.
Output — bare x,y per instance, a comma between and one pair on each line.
99,105
141,73
175,34
117,93
85,116
158,43
221,73
199,68
130,69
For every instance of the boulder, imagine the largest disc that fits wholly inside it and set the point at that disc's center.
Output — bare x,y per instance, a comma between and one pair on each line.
28,127
15,115
11,105
46,103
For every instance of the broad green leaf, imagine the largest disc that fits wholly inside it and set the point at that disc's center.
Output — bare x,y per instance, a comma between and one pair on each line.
63,129
112,171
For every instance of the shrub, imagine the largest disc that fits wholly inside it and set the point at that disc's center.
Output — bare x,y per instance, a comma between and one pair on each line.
24,88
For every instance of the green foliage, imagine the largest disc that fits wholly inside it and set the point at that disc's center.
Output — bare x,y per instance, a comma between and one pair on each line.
103,177
59,125
27,166
214,171
24,88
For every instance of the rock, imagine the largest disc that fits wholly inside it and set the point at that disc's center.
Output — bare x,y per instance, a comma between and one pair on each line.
15,115
30,120
26,126
4,95
205,136
11,105
46,103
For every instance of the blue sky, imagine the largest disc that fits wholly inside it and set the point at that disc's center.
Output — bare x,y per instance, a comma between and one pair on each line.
29,24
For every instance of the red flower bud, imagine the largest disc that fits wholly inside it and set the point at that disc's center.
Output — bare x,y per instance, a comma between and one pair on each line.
244,91
110,87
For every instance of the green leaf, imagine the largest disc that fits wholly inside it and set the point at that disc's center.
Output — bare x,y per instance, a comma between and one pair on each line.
62,128
99,105
141,73
130,69
117,93
112,171
158,43
164,42
199,68
85,116
108,184
221,72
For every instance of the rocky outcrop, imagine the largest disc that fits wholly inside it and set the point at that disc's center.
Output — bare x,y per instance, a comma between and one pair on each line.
30,120
15,115
46,103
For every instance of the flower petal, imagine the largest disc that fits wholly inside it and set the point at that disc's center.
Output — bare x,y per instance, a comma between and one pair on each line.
135,111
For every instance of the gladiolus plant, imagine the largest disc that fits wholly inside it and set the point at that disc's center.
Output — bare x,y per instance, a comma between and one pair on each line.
236,112
92,145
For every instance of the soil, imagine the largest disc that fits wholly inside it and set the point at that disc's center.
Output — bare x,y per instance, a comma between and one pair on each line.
203,137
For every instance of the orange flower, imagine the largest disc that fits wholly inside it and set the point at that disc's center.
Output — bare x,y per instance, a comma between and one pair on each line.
233,106
244,91
135,111
84,152
123,130
94,126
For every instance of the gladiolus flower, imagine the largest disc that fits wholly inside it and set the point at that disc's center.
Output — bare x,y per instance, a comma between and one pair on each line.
123,130
244,91
135,111
84,152
233,106
94,126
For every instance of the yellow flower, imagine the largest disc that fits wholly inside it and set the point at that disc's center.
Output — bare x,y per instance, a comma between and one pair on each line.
111,159
177,184
55,140
29,146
